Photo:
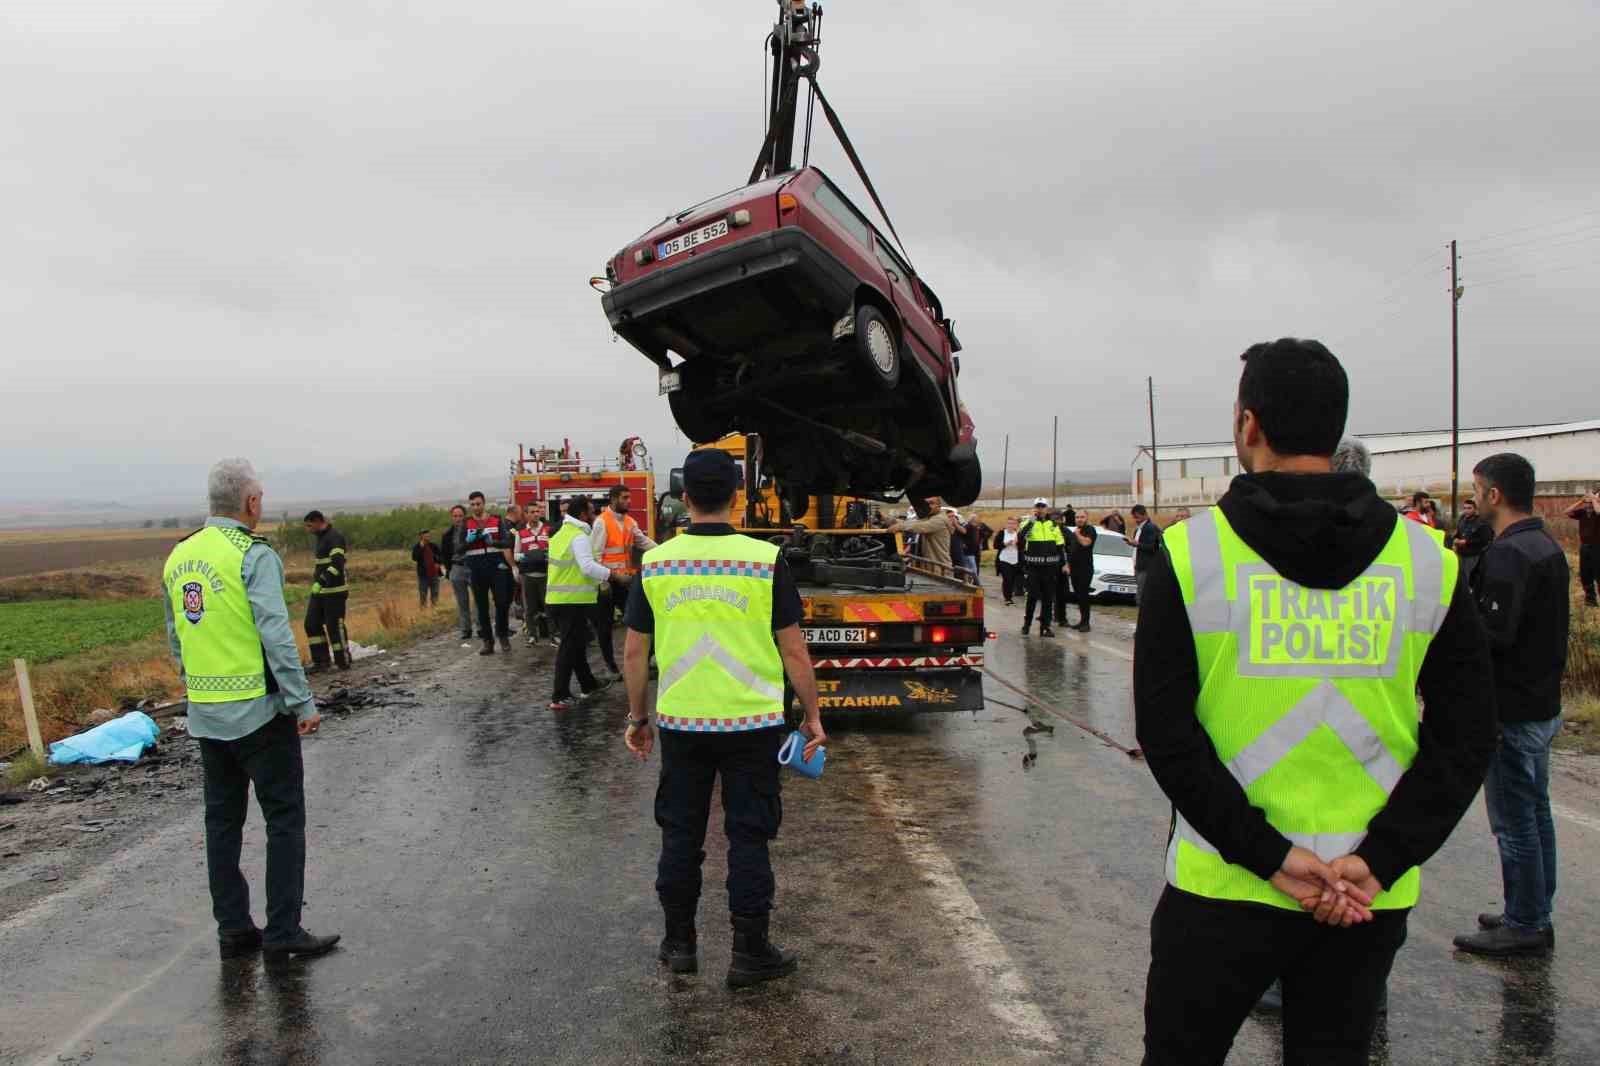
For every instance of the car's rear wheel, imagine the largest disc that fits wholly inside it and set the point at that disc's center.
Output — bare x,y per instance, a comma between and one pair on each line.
966,483
698,422
877,347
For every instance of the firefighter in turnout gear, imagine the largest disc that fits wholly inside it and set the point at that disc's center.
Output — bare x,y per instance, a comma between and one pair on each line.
1284,637
723,613
330,591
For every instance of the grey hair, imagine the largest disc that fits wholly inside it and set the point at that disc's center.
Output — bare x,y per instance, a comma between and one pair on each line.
230,481
1352,457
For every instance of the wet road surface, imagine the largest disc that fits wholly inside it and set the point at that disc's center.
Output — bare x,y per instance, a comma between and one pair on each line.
490,867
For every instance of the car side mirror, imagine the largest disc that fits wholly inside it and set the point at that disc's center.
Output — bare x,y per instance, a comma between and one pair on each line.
675,482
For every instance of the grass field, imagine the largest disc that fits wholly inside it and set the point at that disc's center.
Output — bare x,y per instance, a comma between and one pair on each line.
46,630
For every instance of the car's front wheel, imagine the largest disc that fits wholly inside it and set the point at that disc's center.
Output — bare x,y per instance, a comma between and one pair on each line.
698,422
877,347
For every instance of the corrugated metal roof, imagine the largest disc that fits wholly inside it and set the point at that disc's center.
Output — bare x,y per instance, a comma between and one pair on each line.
1386,443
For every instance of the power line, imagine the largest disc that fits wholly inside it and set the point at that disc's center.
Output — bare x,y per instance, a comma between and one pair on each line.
1555,240
1530,274
1488,237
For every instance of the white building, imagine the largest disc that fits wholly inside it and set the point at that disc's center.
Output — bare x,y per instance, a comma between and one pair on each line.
1565,456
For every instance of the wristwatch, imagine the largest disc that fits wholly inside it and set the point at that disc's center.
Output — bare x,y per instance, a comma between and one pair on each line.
637,723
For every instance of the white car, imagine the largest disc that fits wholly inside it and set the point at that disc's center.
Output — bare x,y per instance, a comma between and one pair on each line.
1113,567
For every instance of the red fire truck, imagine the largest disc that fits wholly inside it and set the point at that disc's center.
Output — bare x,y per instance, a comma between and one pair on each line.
544,479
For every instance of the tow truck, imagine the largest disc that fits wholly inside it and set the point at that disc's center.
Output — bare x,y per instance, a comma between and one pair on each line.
888,632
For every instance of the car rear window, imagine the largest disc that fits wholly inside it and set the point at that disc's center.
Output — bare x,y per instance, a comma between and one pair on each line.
844,214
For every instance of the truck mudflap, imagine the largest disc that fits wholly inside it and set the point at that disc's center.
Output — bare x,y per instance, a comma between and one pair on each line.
899,691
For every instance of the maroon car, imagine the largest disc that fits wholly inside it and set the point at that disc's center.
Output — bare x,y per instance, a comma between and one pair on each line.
778,309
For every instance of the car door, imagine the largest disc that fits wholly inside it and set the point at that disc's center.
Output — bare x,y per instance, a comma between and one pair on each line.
924,332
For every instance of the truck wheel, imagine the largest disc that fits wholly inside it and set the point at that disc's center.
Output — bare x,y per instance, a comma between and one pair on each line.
698,424
877,347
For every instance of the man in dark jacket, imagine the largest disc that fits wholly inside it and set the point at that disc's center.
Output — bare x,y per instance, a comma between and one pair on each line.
426,556
1587,514
1471,538
1522,595
1310,669
1080,562
1146,540
330,595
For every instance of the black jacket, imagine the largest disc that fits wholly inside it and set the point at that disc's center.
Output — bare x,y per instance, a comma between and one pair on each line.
329,571
1522,595
449,550
1321,531
1146,546
1472,536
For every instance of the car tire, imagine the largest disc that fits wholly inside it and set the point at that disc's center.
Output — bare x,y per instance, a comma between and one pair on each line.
877,347
699,424
966,484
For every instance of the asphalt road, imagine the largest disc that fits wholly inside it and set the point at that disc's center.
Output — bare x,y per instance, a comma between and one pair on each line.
490,867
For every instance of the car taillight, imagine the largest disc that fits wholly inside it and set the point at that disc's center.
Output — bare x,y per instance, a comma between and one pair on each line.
787,203
739,218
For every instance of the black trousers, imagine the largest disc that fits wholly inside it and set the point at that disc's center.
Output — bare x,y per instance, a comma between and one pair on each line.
1082,579
1210,962
1010,574
269,759
572,621
752,811
490,581
325,630
1589,568
1063,596
1041,591
603,616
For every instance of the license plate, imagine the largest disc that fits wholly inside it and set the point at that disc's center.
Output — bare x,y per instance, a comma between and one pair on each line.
693,239
835,635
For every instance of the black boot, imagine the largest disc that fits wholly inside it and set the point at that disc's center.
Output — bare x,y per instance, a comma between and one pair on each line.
755,958
488,647
679,948
237,943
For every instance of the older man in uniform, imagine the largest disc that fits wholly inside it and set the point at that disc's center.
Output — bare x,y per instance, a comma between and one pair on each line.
723,613
249,705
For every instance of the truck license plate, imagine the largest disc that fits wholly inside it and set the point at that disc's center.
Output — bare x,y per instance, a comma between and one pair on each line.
835,635
693,239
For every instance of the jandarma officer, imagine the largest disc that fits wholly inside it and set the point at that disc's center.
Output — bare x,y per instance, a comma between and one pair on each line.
1283,637
249,705
724,615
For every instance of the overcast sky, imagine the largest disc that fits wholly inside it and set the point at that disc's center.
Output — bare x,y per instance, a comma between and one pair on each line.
330,235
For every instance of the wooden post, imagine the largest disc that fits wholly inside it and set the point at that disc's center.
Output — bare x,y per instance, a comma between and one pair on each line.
29,718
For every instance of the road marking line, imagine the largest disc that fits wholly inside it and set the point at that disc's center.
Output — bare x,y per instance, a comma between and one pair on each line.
1010,998
104,1014
1577,817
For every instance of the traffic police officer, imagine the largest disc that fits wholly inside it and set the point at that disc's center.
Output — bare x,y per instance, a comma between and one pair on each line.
1044,554
248,706
724,614
330,592
1283,637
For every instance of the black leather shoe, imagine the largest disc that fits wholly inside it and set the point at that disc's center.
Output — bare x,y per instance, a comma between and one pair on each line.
755,958
488,648
302,943
1046,631
505,643
1503,942
1082,627
1025,629
238,943
1496,921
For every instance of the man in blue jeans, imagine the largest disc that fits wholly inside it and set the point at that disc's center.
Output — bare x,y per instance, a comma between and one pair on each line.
1522,595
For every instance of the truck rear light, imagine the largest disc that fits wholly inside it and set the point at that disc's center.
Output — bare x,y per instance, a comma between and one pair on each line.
938,634
944,609
644,255
960,634
739,218
787,203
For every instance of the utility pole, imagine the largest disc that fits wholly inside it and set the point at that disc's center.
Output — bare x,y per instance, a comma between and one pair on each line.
1005,469
1155,464
1055,427
1455,389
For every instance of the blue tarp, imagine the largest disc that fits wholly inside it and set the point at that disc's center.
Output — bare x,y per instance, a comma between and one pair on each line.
122,739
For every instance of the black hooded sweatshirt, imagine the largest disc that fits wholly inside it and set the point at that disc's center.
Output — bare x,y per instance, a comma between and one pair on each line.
1320,531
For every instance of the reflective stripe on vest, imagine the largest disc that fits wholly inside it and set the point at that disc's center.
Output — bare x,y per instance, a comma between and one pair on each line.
566,582
618,554
1308,695
221,649
712,602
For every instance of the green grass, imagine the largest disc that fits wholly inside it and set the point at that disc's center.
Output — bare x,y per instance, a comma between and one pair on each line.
46,630
25,766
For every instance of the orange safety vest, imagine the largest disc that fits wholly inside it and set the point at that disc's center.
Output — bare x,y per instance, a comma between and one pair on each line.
618,553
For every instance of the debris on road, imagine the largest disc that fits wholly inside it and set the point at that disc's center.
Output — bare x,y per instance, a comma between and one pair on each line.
122,739
38,784
364,651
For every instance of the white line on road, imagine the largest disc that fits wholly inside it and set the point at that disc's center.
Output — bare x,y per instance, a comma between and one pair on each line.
1010,998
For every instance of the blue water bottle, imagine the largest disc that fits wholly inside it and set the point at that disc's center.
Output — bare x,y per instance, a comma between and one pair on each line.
792,755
